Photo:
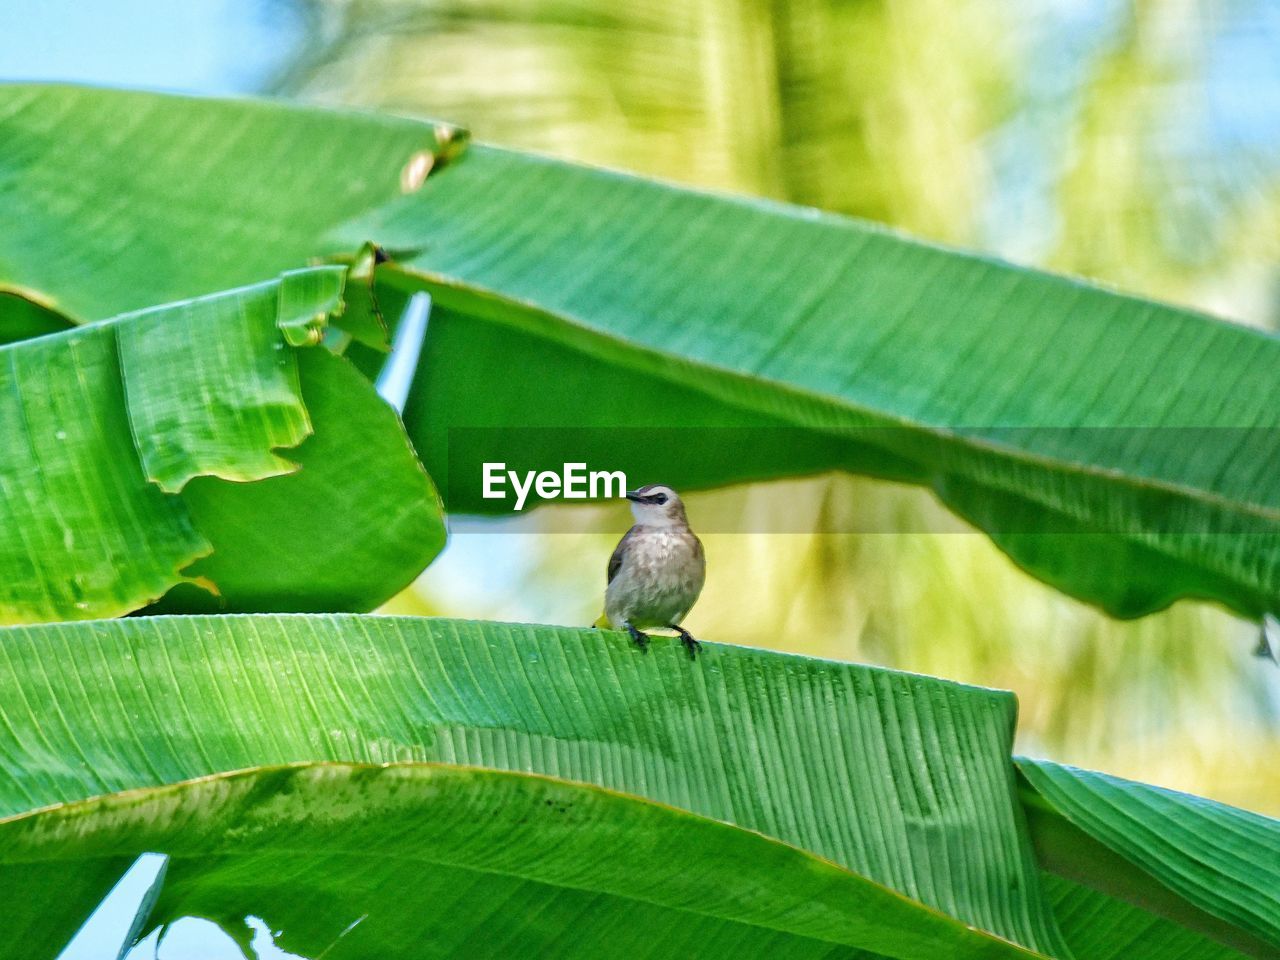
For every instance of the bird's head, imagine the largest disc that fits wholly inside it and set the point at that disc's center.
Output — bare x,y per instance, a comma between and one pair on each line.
657,505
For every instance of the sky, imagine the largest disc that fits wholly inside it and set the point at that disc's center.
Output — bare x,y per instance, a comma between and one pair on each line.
180,46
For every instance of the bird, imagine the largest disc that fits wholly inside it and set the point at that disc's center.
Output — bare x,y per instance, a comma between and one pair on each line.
657,569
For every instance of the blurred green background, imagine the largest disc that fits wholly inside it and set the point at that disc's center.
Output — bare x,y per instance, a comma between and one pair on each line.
1135,143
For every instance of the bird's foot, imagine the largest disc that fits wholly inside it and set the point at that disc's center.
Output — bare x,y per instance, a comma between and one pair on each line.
641,639
686,638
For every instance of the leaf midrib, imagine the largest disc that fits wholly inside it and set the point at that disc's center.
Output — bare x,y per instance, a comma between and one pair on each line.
986,940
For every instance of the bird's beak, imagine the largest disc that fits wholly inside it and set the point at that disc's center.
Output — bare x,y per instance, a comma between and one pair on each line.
634,496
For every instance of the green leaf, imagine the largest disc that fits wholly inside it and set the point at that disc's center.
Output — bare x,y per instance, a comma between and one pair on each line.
43,903
306,300
1031,404
1220,860
236,399
218,207
1119,449
1103,928
389,861
23,317
350,529
105,426
83,533
902,779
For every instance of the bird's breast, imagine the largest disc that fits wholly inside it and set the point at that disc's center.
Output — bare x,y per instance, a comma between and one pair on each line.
666,551
659,580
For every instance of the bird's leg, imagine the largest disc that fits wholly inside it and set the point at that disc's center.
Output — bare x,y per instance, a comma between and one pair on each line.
641,639
690,644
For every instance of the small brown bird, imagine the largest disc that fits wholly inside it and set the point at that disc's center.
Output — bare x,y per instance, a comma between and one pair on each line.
657,570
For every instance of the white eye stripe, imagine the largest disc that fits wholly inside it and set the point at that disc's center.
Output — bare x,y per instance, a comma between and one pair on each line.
654,491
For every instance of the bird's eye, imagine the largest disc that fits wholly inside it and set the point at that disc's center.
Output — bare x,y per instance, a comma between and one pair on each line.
661,498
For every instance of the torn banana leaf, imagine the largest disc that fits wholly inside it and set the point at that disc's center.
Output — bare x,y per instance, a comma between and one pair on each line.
138,445
1120,449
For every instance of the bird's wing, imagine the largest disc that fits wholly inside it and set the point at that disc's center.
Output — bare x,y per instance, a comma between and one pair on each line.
615,561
